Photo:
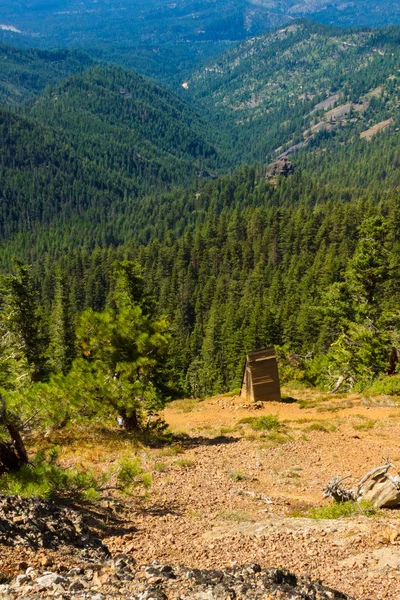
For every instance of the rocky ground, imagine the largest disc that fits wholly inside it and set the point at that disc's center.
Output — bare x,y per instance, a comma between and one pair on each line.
223,496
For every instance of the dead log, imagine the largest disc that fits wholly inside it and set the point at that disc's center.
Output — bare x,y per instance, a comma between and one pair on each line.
378,486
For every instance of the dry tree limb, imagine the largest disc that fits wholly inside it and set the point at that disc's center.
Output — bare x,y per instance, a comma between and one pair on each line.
337,492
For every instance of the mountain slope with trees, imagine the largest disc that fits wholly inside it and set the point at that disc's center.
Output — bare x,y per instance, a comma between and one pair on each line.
301,84
24,73
100,139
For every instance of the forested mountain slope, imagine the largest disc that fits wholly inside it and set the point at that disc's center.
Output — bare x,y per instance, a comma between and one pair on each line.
302,83
64,22
101,137
24,73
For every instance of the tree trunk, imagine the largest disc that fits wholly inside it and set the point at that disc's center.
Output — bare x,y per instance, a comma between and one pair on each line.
18,443
14,455
131,423
9,460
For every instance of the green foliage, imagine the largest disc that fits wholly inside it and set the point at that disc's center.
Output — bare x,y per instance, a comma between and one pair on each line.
43,478
324,427
131,474
389,386
343,510
237,475
365,425
265,422
122,352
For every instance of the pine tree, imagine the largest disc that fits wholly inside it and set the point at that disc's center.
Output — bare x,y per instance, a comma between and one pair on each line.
62,331
123,351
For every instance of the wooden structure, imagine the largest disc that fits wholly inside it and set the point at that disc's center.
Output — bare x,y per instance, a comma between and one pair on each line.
260,378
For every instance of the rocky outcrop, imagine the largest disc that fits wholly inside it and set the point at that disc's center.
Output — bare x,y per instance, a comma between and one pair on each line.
120,579
282,167
36,523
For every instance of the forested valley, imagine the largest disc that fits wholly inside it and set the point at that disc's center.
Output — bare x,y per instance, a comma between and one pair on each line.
238,191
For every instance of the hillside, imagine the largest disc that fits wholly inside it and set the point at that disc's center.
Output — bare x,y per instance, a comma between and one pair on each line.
25,73
98,139
306,82
71,22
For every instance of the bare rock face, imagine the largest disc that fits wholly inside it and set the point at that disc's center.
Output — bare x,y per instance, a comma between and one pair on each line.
282,167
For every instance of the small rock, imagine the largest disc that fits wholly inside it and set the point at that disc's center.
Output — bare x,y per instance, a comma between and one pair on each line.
21,579
76,586
47,561
50,579
4,589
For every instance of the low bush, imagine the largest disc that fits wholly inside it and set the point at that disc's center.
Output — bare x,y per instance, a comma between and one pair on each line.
237,475
385,386
43,478
340,510
131,474
266,422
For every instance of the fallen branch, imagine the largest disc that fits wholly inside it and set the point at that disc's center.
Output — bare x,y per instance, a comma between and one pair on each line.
378,486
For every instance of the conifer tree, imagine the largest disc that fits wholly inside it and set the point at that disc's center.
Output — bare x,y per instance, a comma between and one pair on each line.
123,351
62,333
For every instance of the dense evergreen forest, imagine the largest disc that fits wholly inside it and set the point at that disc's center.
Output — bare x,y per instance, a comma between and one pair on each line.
158,258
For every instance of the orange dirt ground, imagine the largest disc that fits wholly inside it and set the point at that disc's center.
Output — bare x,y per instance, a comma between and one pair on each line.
198,513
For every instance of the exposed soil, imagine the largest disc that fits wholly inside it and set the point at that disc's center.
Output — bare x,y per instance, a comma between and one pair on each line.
198,513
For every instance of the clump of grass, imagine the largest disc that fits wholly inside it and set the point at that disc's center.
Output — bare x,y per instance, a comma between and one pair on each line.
321,427
173,450
185,463
160,466
388,385
265,422
232,515
308,403
225,430
276,438
340,510
237,475
187,405
365,425
233,393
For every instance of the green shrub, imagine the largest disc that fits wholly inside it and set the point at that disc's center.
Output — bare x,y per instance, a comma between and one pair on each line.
385,386
131,474
321,427
160,466
237,475
266,422
340,510
173,450
365,425
43,478
276,438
